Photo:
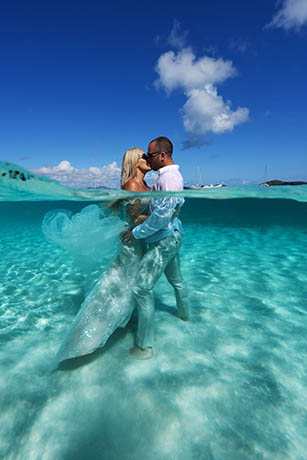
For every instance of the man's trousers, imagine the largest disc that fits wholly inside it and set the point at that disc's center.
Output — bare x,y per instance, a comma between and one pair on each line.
161,256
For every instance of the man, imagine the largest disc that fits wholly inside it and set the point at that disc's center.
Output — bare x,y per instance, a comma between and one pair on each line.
162,231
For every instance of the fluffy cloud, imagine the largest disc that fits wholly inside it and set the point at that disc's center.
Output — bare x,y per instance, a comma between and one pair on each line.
292,14
183,70
69,176
205,111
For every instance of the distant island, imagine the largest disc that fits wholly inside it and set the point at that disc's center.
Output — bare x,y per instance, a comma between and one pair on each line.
281,182
99,187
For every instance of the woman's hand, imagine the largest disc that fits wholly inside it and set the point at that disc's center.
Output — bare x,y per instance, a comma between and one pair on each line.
127,237
139,220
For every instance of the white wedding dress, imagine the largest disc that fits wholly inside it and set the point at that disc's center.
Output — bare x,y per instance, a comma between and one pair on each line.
109,304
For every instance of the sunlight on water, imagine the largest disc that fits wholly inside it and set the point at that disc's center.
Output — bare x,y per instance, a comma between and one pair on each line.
229,384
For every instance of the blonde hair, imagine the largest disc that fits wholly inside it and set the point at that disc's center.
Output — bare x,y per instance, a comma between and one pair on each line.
129,164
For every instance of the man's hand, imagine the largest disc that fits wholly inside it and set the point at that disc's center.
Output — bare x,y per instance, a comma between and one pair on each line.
176,212
127,237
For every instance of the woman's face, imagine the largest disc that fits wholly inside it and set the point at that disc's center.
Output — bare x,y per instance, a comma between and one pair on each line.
142,163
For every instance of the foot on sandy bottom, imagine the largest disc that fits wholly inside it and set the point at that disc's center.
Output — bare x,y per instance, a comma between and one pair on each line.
139,353
183,317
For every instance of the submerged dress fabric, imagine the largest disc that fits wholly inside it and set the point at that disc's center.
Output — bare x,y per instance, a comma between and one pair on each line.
87,235
109,304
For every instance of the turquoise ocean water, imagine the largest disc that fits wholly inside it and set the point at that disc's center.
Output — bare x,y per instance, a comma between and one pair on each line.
229,384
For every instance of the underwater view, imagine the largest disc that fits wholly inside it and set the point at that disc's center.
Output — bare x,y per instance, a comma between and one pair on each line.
230,383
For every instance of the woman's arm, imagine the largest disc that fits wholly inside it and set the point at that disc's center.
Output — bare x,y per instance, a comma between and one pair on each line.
110,207
135,213
134,209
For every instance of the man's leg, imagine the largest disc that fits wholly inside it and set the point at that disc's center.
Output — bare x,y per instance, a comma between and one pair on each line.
151,268
174,277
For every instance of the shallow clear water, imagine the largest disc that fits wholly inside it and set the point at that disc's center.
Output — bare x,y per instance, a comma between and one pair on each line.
229,384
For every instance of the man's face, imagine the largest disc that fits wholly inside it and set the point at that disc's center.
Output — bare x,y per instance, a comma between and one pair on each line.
155,159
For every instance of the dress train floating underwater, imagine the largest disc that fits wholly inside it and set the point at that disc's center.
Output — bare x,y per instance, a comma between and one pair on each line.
109,304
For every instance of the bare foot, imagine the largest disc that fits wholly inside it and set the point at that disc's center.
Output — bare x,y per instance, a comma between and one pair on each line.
140,354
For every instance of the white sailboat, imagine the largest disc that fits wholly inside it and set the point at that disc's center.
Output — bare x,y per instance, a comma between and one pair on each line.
199,183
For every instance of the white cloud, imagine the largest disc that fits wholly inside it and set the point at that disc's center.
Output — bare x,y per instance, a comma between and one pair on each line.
184,70
177,37
205,111
64,167
69,176
94,170
292,14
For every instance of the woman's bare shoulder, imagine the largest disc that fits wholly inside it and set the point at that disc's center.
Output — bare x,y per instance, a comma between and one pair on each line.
132,185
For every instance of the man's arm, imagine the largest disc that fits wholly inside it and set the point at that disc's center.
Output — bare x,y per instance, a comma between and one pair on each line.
163,210
154,224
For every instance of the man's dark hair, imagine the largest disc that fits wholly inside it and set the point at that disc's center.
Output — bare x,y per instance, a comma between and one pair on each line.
163,144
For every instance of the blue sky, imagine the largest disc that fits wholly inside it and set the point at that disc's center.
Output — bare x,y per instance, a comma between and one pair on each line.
83,81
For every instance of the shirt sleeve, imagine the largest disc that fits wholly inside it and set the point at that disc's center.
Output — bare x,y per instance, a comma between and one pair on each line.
162,213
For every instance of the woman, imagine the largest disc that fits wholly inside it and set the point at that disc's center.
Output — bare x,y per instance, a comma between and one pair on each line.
134,168
109,305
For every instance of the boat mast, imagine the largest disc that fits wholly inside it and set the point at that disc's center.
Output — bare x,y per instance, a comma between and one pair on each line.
199,179
265,172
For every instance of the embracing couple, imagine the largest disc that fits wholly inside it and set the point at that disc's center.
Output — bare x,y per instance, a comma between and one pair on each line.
162,233
147,250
